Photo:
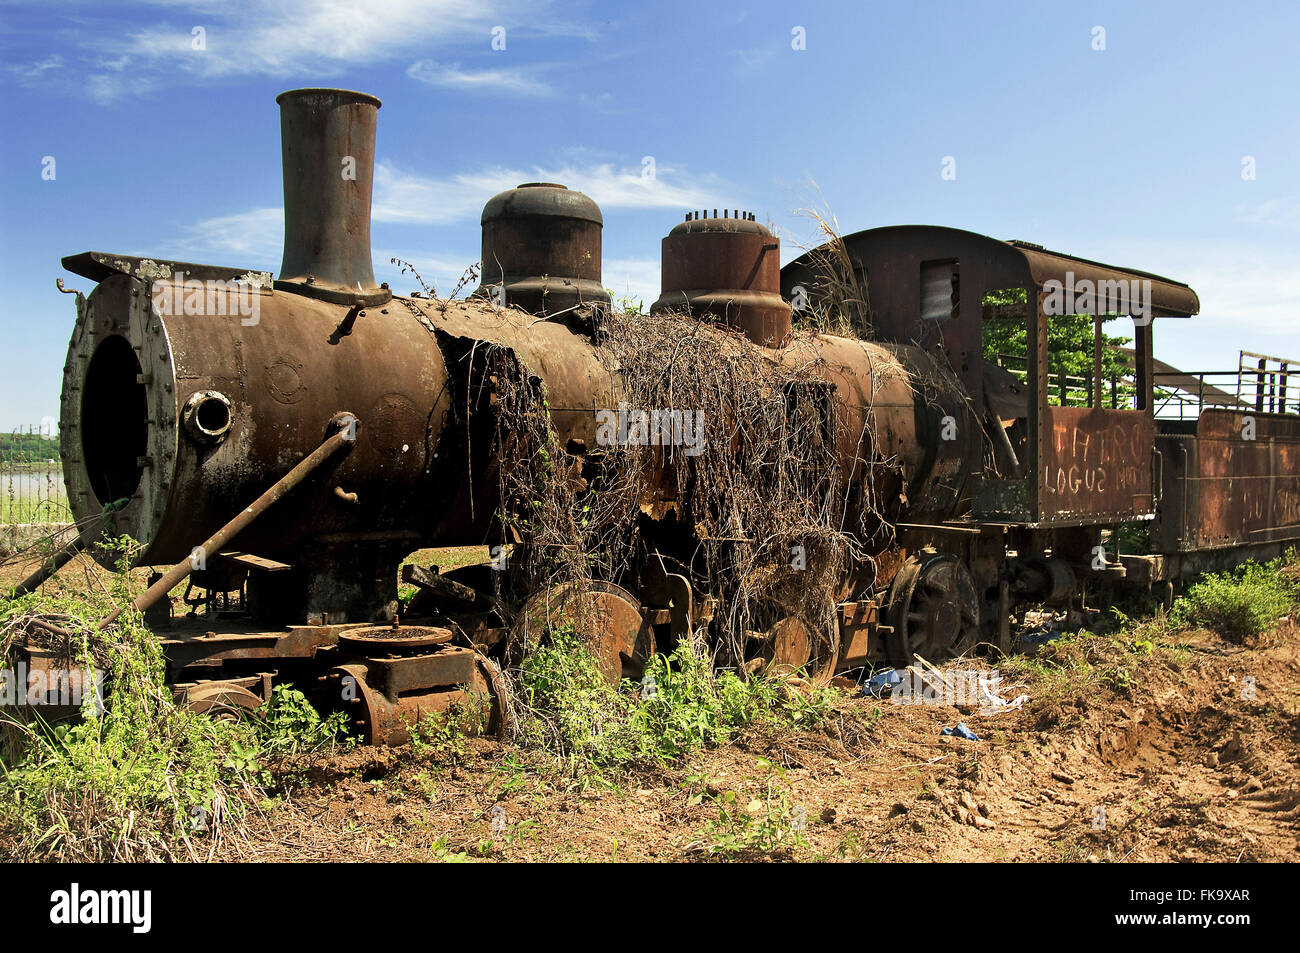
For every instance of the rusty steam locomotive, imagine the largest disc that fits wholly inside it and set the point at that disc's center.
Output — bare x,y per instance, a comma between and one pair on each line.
298,449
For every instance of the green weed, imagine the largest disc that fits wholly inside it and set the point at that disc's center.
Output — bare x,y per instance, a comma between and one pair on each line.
1238,603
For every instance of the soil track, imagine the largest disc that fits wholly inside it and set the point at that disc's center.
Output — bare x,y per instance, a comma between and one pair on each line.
1188,758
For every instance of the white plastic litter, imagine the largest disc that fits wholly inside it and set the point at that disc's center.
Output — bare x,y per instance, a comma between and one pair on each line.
991,703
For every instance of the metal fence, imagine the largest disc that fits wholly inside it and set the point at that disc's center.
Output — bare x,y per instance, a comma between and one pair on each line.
31,478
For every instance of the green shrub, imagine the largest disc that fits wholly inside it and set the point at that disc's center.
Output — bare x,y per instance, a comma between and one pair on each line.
571,709
140,778
144,779
769,822
1238,603
289,724
445,734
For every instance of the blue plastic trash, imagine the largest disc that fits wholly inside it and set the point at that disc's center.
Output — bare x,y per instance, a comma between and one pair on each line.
961,731
881,683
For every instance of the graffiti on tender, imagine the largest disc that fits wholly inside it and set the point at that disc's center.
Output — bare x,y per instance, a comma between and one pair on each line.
1094,462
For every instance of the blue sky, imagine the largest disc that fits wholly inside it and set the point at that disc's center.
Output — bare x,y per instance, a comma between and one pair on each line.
1131,154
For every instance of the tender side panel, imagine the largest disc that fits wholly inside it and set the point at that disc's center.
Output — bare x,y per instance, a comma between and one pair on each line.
1245,487
1097,463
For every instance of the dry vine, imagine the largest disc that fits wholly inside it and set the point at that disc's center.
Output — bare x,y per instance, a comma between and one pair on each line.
759,504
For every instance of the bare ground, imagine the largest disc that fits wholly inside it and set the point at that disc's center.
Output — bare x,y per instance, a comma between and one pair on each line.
1166,741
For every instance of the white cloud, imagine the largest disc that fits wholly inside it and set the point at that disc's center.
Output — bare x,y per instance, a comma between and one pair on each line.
280,37
113,58
405,198
402,197
254,238
1243,291
450,75
30,74
1280,213
755,59
1247,291
109,88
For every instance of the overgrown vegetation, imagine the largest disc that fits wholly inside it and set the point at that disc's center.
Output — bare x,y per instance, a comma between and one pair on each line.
1236,604
1239,603
1081,664
762,825
137,776
681,706
768,531
839,301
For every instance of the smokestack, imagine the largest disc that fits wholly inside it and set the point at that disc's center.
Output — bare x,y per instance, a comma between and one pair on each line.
327,137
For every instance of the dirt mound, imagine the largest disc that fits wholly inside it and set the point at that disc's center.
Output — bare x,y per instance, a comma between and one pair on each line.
1180,752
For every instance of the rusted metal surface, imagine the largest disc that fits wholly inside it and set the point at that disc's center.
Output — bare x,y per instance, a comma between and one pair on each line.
541,249
857,622
131,370
889,262
397,675
898,269
368,640
392,677
891,405
933,609
1097,465
98,265
607,619
729,268
384,719
199,556
1044,579
788,645
191,644
224,699
438,584
565,360
327,139
1235,482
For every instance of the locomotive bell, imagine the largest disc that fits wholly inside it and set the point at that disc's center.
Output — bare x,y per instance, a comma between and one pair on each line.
729,267
541,249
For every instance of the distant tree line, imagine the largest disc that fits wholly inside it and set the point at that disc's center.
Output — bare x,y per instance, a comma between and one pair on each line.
27,448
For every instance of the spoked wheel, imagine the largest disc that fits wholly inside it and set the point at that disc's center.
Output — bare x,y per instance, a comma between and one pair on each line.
222,701
606,618
934,610
792,643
